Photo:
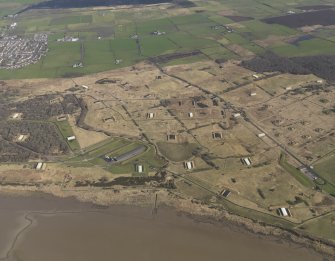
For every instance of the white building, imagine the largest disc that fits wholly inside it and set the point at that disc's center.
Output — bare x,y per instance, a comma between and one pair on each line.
246,161
190,114
261,135
39,166
151,115
252,94
189,165
16,115
71,138
284,212
139,168
236,115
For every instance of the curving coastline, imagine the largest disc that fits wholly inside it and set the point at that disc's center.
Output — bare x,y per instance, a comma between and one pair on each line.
192,210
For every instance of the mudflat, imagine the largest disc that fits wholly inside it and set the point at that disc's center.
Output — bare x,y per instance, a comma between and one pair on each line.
46,228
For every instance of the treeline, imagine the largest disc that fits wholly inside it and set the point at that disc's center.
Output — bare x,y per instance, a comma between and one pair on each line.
42,107
42,138
45,106
11,153
322,66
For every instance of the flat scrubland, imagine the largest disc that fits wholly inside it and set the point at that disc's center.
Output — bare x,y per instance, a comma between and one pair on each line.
186,97
115,108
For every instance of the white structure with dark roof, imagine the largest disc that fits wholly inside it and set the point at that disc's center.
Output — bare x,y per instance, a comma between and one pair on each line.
285,212
246,161
150,115
189,165
139,168
40,166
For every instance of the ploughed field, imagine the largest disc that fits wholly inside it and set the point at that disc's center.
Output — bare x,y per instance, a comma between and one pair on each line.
59,4
322,17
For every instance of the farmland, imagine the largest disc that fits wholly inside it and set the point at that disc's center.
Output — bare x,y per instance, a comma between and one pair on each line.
129,37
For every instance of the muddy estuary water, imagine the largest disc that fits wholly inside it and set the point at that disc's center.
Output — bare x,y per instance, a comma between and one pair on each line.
40,228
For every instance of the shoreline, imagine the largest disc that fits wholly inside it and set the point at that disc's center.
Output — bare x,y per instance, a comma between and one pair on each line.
191,209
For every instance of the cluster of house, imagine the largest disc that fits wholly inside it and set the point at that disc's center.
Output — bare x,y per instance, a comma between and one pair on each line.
17,52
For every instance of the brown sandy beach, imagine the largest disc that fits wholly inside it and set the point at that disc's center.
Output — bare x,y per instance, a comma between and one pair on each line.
66,229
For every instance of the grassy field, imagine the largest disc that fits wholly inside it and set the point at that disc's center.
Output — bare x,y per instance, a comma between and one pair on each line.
308,47
297,174
322,226
176,152
325,168
94,156
66,131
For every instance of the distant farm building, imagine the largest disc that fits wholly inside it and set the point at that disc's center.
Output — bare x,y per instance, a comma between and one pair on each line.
261,135
78,65
190,115
188,165
68,39
253,94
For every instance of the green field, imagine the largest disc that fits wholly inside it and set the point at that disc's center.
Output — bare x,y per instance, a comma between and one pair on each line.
297,174
94,156
71,20
326,168
176,152
306,48
66,131
195,30
322,226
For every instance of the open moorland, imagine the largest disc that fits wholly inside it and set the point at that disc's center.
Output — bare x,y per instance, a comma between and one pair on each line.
215,102
162,119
